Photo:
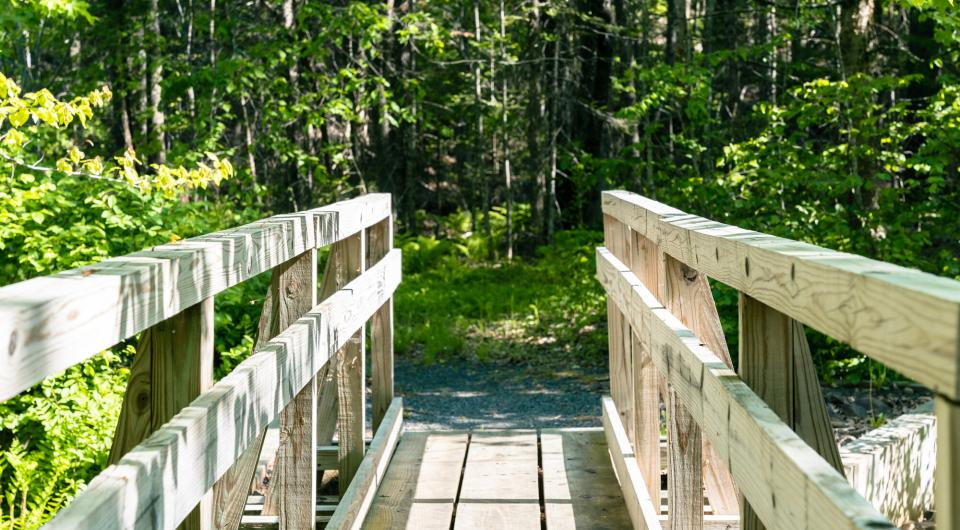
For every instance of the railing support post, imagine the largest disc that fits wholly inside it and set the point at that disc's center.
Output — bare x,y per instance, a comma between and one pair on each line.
946,493
173,365
379,243
775,361
292,293
351,376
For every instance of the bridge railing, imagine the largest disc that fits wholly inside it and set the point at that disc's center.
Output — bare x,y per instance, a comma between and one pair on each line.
186,449
761,433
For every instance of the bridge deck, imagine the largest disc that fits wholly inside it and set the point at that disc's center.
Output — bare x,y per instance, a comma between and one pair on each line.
500,479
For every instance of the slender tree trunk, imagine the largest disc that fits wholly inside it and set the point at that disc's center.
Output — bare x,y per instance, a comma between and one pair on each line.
508,180
156,79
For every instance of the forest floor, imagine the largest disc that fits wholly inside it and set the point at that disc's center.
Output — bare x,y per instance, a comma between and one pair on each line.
464,394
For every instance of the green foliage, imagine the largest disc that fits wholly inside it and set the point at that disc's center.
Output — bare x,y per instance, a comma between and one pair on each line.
547,309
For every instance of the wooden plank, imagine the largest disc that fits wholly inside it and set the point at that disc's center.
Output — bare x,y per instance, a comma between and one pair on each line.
580,489
110,301
380,241
893,466
420,487
620,348
641,507
688,296
769,462
328,457
775,361
712,522
646,261
947,477
500,482
356,502
173,365
906,319
351,380
157,483
293,487
290,295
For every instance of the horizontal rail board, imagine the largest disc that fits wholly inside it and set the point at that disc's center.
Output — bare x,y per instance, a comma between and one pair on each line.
158,483
640,505
358,498
787,483
904,318
51,323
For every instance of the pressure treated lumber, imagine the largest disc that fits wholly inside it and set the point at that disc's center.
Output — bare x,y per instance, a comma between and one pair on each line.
646,261
173,365
500,482
420,487
580,489
292,292
51,323
893,466
379,242
775,361
641,507
904,318
620,347
293,485
769,462
356,502
351,379
946,492
160,481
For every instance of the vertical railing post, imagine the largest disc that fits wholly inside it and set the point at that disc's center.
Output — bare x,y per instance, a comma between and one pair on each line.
173,365
946,495
351,377
616,236
379,243
292,293
688,296
775,361
293,485
645,262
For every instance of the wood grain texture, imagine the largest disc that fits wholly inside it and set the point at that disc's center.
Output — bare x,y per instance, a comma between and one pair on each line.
769,462
173,365
775,361
641,507
580,489
620,338
356,502
379,242
946,492
500,482
687,295
351,380
158,482
904,318
646,261
420,487
290,295
893,466
51,323
292,492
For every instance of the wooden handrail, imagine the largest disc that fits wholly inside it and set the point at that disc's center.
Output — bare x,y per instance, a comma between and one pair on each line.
50,323
158,483
906,319
769,423
768,460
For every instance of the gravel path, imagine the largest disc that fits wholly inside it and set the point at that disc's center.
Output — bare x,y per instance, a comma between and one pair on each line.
473,395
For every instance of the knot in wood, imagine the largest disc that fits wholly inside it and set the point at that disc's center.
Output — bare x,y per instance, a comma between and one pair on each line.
689,274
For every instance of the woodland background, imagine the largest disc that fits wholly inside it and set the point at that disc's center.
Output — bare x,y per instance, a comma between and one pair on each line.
494,124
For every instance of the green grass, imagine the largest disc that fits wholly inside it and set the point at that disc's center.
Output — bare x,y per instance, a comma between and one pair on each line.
547,310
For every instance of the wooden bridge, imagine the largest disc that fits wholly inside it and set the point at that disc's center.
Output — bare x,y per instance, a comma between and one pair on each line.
743,450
